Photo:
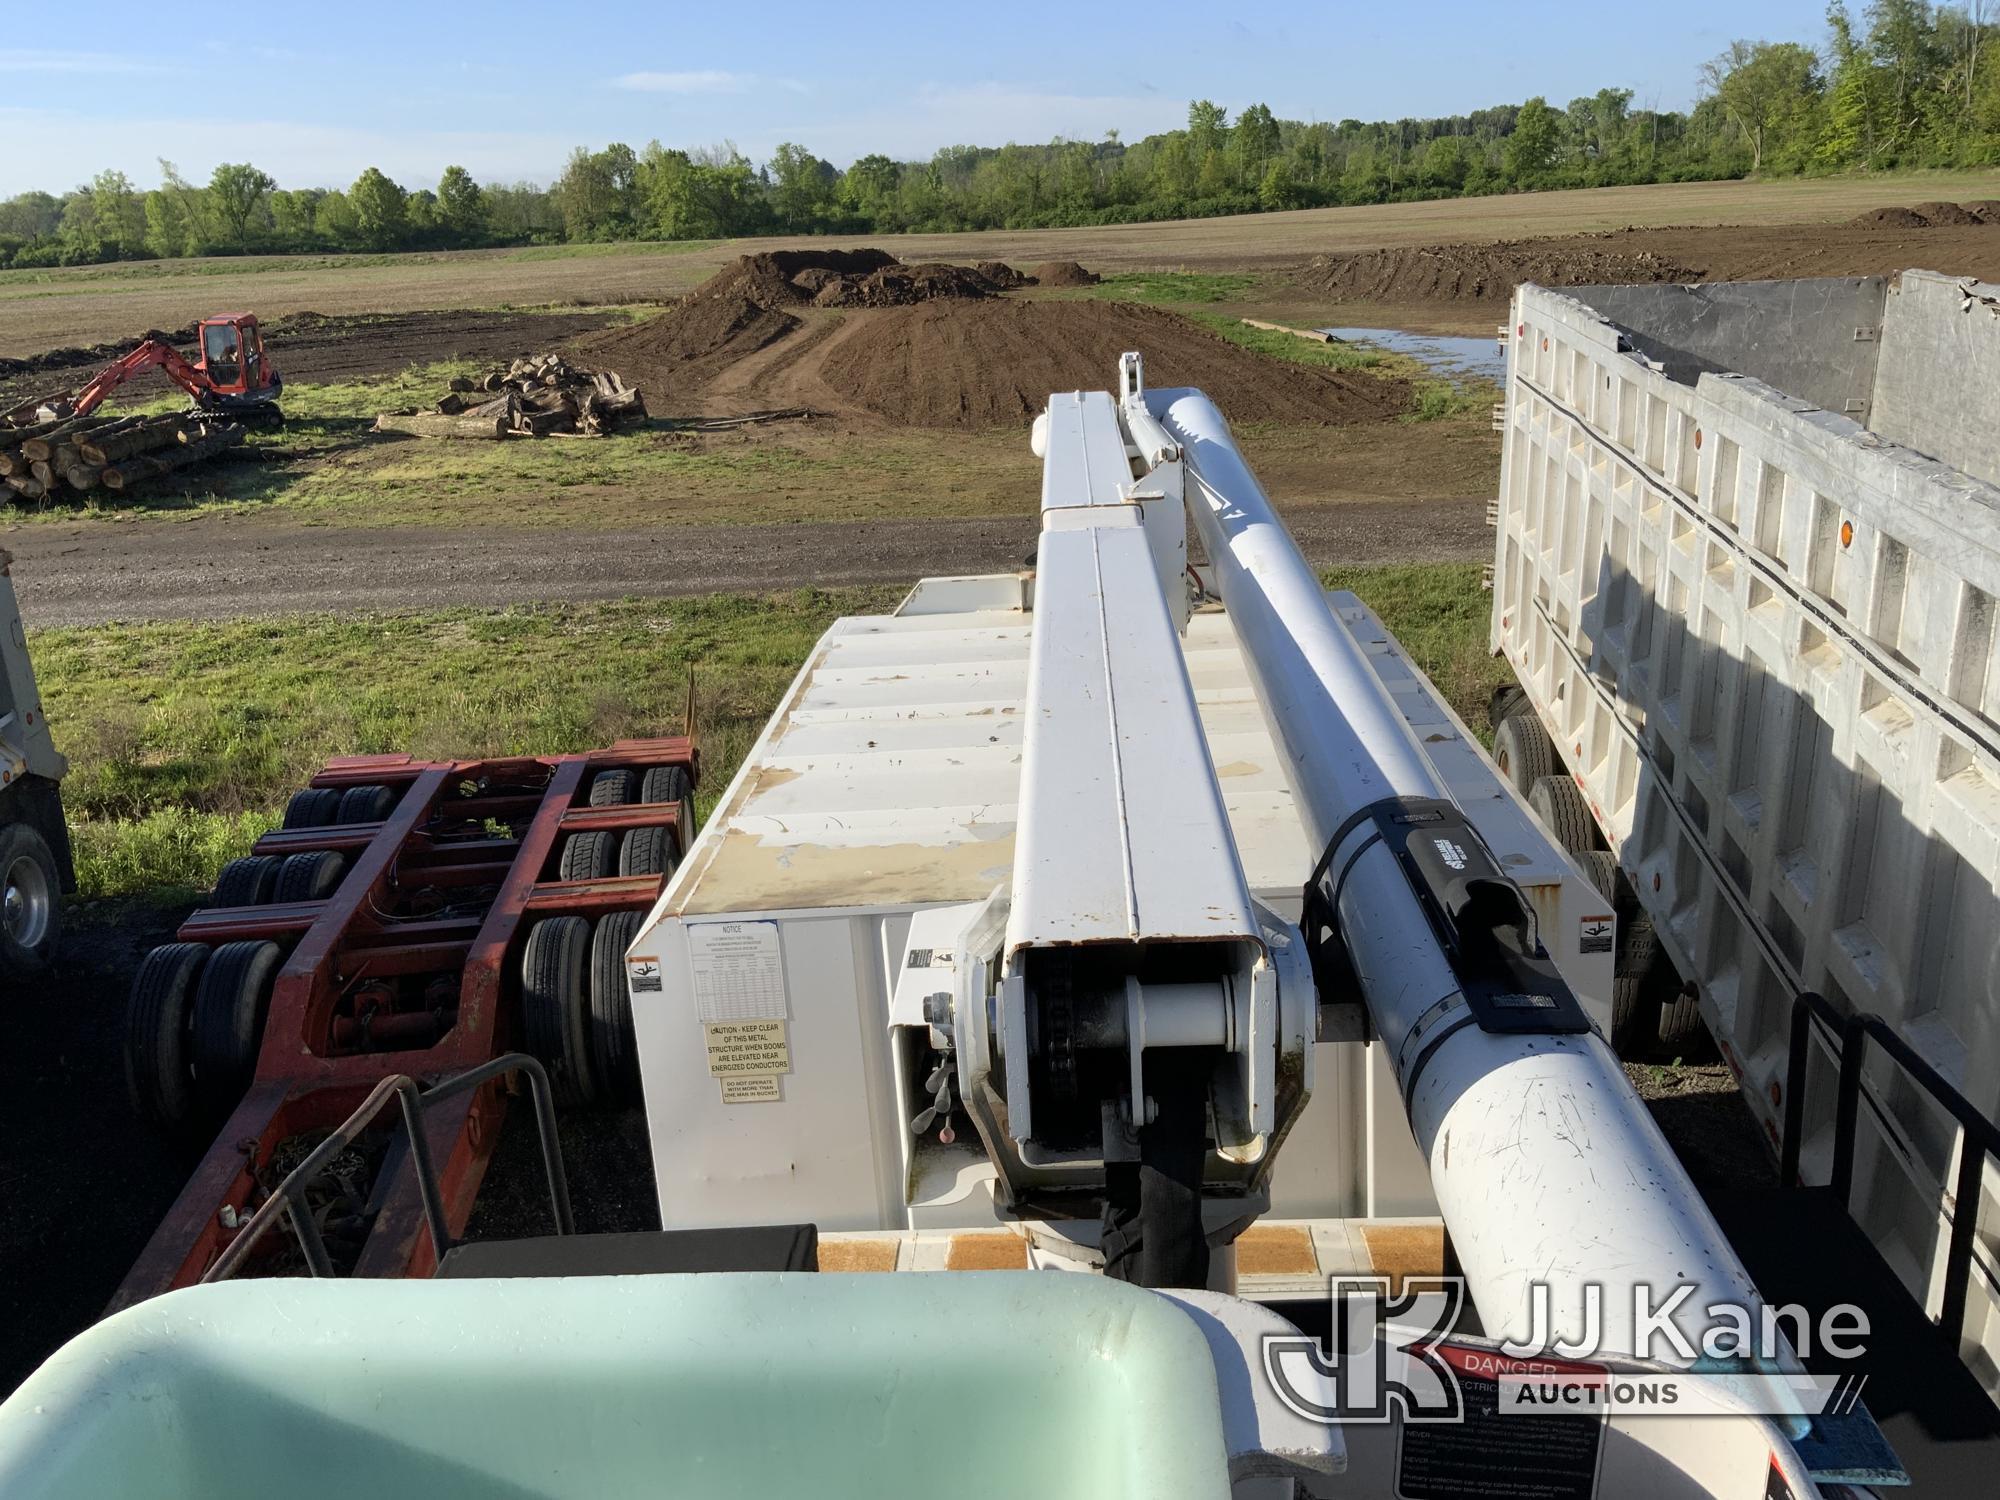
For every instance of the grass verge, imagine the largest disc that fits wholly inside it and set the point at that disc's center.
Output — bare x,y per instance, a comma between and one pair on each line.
186,739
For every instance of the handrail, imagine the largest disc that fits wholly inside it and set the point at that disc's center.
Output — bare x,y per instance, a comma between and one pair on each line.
288,1197
1854,1032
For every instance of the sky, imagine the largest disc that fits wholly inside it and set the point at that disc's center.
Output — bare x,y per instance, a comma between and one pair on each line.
315,92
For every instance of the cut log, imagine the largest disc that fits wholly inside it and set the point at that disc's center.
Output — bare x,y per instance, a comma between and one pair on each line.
99,449
41,446
151,465
26,487
81,476
43,471
12,461
431,425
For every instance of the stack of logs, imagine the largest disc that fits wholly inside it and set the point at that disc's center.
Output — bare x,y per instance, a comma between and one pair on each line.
82,453
535,397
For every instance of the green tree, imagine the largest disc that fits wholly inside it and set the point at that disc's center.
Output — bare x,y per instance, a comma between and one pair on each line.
461,206
380,208
1531,149
802,188
292,216
236,191
1256,140
1760,86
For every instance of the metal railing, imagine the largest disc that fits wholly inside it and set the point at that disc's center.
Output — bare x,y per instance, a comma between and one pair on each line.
288,1198
1853,1034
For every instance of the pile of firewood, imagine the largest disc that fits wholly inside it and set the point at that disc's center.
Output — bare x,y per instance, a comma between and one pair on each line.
534,397
40,461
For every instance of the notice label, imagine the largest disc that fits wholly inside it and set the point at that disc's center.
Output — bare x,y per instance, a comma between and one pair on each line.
737,1090
739,972
1594,934
747,1047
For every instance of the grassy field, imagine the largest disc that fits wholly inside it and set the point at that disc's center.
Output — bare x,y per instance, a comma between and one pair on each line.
81,305
185,740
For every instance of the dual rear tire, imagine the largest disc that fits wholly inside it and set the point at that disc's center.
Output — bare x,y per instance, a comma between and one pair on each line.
576,1012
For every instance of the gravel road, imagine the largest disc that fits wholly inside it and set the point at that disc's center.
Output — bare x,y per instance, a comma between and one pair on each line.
226,567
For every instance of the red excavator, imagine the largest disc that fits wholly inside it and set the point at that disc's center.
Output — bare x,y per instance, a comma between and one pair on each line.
230,373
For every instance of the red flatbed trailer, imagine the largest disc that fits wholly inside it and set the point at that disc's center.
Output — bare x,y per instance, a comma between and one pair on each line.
411,965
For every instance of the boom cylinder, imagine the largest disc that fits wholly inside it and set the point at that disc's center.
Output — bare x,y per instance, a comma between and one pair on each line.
1546,1165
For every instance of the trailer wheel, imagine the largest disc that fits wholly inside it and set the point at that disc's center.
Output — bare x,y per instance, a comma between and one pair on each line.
1681,1027
1601,866
1559,804
613,788
229,1006
666,784
649,851
1523,751
249,881
1631,1018
366,804
614,1050
590,856
555,1005
309,877
30,903
315,807
1509,699
156,1039
1638,945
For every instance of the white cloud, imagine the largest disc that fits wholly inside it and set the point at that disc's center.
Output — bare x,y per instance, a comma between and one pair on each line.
40,60
702,81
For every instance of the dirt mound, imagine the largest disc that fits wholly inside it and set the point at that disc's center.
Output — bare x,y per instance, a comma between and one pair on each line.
993,364
1985,210
1486,273
1890,218
746,307
1002,276
1945,213
902,286
95,354
1063,273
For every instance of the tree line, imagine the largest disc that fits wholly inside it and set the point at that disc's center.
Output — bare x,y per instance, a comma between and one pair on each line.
1905,83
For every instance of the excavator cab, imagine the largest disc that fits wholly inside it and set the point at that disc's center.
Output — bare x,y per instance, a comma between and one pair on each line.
232,359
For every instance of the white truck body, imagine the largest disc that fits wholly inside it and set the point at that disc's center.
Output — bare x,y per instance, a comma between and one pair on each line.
1747,561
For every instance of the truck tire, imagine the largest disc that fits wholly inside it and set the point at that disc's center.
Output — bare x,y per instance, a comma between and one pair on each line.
1523,751
1681,1028
230,1002
30,903
555,1005
249,881
1632,1018
1560,805
614,1053
1601,866
315,807
589,856
156,1035
312,876
613,788
649,851
666,784
366,804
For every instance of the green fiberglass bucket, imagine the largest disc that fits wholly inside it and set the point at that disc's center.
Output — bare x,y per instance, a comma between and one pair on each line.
766,1386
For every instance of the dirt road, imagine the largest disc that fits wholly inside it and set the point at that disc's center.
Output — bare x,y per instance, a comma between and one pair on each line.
226,567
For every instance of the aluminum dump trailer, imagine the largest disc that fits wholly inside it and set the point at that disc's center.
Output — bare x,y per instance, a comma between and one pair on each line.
1747,561
35,864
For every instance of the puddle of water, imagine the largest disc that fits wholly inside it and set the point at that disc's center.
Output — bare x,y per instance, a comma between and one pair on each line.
1444,353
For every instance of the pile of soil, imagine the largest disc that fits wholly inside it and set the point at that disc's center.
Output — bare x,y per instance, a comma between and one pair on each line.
1003,276
747,306
1930,215
1063,273
1486,273
993,364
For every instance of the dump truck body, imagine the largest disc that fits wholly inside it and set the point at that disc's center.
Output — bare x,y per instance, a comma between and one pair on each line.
1747,561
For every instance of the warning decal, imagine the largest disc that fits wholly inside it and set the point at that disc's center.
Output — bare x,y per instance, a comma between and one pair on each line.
737,1090
643,975
1552,1457
1594,934
747,1048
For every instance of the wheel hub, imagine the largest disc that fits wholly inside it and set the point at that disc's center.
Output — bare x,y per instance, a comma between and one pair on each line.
26,902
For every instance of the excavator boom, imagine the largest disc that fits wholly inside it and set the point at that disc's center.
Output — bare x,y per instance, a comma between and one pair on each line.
229,373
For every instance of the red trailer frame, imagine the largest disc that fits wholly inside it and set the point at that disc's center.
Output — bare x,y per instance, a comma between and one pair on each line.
323,1049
